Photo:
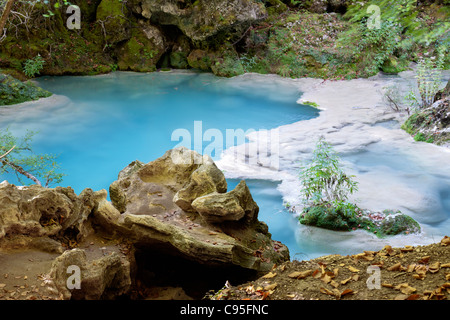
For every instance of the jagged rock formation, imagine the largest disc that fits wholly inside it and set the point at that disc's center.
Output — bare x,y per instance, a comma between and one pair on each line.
202,19
179,202
176,207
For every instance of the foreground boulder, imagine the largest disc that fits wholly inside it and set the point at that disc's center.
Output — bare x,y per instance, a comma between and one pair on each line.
179,203
167,219
104,278
36,211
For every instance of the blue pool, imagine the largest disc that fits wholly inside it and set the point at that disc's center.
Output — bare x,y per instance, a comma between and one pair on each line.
111,120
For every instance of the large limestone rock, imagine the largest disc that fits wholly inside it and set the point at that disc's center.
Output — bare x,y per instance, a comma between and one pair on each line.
104,278
202,19
179,203
230,206
37,211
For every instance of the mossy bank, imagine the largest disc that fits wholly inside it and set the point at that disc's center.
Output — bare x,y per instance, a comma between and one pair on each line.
325,39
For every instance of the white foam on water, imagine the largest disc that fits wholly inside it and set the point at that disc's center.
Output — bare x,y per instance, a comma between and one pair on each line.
393,171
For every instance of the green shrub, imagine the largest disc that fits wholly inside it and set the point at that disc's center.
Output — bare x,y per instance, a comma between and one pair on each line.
33,66
323,180
13,91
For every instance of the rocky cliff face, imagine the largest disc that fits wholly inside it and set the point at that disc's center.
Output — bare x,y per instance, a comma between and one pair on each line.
175,208
200,20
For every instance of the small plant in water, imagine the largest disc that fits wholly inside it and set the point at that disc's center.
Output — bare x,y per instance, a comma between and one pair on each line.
323,180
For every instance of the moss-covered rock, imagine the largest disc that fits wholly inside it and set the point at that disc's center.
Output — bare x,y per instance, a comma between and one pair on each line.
431,124
112,16
223,63
394,65
202,19
227,63
143,51
13,91
350,217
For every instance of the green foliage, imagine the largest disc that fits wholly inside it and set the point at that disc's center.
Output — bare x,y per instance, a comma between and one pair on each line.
410,17
42,166
347,217
13,91
33,66
421,137
323,180
429,78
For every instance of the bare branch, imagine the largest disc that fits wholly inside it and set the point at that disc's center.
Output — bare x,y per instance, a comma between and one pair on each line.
1,157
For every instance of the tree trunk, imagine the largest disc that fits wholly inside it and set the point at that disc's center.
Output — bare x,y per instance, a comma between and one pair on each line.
5,15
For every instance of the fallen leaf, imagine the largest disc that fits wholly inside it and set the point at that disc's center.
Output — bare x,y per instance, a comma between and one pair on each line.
334,284
346,280
270,275
2,285
250,290
446,285
421,269
336,272
434,267
347,291
326,278
300,274
316,274
352,269
445,265
410,268
395,267
445,241
355,277
405,288
401,297
424,260
419,276
326,291
387,285
413,297
270,287
407,249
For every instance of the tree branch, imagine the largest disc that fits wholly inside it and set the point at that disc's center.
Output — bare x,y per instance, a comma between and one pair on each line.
1,157
22,171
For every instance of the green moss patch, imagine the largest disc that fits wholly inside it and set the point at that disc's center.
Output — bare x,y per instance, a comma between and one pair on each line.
13,91
350,217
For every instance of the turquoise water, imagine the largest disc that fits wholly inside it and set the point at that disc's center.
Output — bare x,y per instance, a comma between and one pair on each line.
114,119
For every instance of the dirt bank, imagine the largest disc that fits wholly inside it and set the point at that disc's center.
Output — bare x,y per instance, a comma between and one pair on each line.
408,273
